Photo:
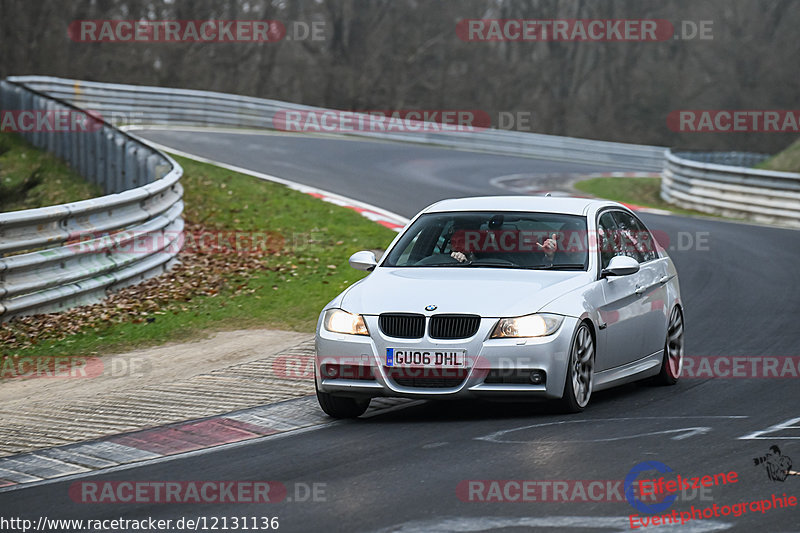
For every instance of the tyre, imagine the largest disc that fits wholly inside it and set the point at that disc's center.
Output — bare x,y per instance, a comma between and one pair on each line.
340,406
580,371
672,362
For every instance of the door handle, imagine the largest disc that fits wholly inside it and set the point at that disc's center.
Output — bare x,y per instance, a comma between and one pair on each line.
640,290
664,279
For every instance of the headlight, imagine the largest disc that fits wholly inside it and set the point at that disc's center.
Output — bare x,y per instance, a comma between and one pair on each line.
339,321
536,325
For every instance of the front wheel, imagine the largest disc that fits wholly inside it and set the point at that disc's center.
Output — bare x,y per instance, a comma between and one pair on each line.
580,372
672,362
341,406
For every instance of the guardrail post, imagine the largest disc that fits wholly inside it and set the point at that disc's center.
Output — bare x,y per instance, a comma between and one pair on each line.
74,148
36,137
131,167
117,159
83,150
154,162
27,105
61,150
50,135
142,176
100,161
91,155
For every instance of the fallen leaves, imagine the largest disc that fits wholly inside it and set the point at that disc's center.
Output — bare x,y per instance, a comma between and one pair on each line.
197,274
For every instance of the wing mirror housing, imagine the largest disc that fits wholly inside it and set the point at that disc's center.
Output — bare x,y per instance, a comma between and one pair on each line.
363,260
620,265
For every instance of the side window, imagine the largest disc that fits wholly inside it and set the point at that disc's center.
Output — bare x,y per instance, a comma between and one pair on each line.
634,240
606,236
647,241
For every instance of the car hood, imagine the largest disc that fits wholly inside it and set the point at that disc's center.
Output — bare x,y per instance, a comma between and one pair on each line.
487,292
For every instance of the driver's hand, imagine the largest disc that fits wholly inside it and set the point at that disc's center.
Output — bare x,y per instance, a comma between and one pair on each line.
458,256
549,246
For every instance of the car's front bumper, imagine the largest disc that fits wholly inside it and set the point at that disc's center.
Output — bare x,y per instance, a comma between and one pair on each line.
548,354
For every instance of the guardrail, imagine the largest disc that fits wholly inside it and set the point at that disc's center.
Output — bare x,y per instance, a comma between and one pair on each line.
165,106
64,255
697,181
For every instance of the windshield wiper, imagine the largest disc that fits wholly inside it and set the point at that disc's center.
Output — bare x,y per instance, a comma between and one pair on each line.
498,263
495,265
560,266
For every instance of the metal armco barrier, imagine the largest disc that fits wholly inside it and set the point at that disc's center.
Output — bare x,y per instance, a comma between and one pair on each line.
696,181
64,255
132,104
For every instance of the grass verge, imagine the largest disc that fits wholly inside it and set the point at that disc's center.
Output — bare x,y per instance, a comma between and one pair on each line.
31,178
787,160
644,192
285,289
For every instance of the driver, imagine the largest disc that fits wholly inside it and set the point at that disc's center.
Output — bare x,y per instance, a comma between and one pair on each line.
548,247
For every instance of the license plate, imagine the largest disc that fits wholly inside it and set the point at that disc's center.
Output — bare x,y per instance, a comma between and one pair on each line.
426,358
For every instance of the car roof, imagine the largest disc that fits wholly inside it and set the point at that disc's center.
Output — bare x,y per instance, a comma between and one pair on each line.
543,204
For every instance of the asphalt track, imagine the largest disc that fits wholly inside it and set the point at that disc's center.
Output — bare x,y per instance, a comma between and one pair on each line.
400,471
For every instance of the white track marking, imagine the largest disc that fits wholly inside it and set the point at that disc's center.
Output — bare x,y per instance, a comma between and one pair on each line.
498,435
787,424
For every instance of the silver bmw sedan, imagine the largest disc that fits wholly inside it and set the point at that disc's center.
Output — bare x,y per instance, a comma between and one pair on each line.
504,297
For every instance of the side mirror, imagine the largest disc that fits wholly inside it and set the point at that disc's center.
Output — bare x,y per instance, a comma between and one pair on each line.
620,265
363,260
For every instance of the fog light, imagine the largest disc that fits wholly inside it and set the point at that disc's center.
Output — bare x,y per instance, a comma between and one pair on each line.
330,371
537,377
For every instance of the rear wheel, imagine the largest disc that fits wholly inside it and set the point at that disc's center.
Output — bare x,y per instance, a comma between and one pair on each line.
673,350
580,372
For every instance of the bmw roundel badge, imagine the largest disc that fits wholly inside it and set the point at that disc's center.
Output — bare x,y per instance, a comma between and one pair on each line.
430,308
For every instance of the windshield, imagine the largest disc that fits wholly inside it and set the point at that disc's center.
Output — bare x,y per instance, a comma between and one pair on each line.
493,239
